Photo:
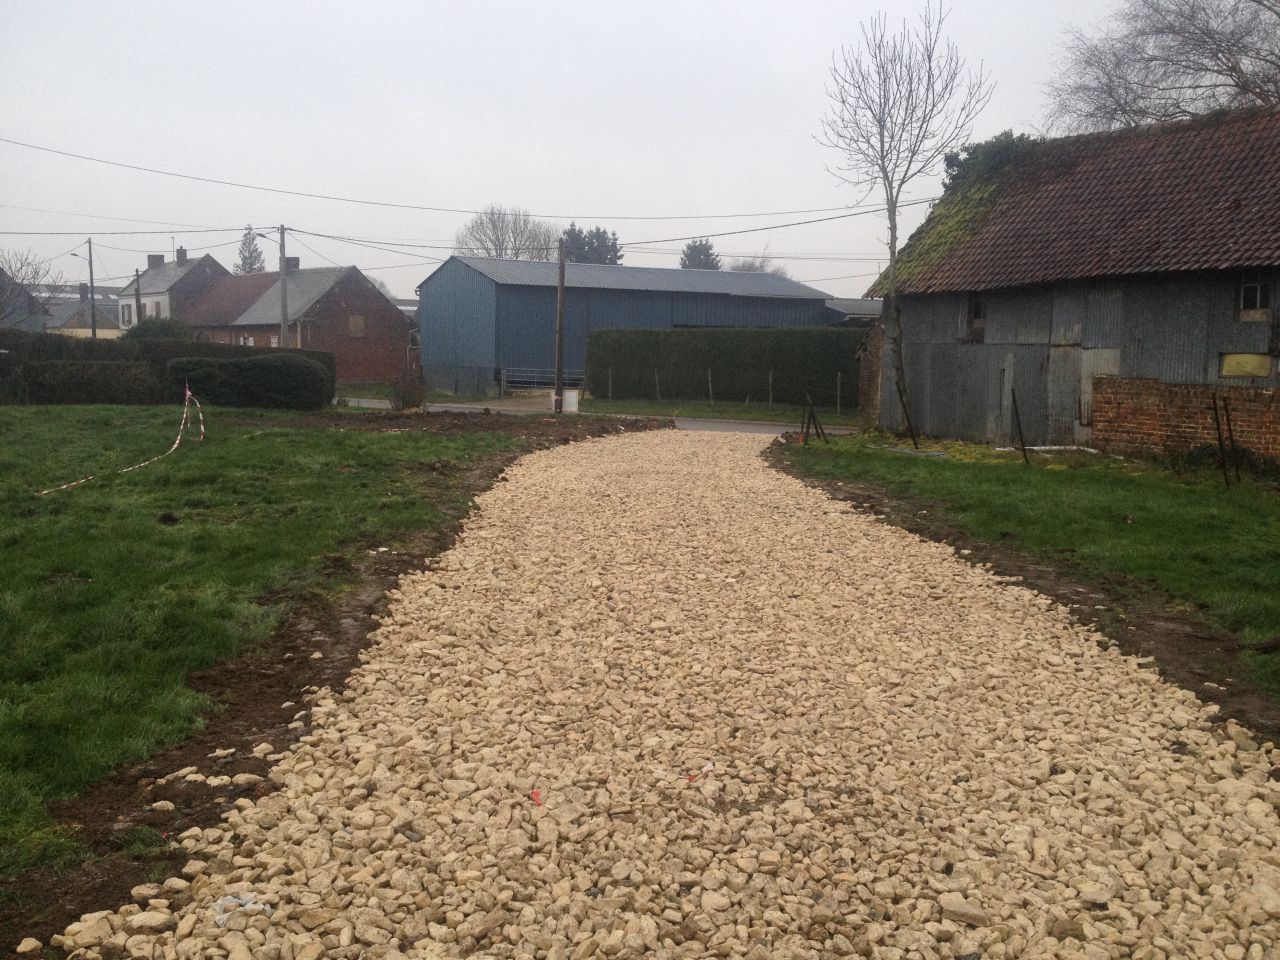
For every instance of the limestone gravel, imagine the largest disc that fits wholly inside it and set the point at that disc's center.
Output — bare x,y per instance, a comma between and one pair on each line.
663,701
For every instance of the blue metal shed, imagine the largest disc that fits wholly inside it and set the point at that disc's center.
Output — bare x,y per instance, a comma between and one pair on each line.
485,321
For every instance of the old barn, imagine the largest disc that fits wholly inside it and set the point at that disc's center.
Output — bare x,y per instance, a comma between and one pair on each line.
485,322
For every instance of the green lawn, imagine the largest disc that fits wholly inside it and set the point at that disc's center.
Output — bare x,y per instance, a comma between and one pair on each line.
1216,550
770,412
112,592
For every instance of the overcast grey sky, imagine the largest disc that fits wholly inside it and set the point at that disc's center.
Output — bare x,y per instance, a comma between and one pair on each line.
586,109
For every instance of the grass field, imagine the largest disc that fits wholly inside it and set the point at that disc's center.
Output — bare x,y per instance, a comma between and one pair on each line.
773,413
112,592
1217,551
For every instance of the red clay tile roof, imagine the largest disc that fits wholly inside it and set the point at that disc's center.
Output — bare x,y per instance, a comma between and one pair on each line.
227,298
1201,195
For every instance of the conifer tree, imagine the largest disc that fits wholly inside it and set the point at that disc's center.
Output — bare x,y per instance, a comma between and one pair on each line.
250,259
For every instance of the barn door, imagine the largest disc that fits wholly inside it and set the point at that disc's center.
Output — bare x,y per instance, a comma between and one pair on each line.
1063,394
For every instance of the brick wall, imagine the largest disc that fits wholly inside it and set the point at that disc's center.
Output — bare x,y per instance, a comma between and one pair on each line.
869,376
1132,415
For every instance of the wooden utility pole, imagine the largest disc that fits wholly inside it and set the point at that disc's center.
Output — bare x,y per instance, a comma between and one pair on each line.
93,297
284,300
137,295
559,395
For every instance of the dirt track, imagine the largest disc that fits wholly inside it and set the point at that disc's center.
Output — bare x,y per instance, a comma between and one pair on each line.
661,700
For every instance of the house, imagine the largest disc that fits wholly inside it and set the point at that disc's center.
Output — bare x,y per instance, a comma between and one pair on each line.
72,315
19,310
334,309
1114,282
484,321
856,312
167,288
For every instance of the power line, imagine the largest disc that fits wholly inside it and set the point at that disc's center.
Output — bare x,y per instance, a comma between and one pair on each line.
371,246
115,233
313,249
776,226
399,206
852,276
97,216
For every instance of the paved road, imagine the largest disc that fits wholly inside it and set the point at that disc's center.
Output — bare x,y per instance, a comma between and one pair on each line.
663,701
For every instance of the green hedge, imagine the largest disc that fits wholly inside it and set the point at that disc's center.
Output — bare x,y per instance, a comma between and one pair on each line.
89,381
741,362
275,380
19,349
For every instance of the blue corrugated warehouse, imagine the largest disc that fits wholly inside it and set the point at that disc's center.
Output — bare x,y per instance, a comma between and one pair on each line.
484,322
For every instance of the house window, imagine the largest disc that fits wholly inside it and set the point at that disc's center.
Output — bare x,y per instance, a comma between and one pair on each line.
355,325
975,320
1244,365
275,341
1255,298
246,340
128,314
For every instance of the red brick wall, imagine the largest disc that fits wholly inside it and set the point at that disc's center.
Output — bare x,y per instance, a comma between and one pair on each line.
1149,416
381,354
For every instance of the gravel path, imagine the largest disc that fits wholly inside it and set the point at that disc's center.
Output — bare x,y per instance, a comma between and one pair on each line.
663,701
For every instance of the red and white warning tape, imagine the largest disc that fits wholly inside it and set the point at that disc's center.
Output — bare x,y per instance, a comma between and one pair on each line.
188,399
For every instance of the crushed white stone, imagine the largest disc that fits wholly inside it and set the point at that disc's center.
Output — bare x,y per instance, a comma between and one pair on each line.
662,701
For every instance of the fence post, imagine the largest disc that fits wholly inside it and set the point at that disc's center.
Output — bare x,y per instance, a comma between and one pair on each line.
657,390
837,393
611,383
710,393
771,388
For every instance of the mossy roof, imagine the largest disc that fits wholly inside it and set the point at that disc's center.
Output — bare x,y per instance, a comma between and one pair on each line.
1199,195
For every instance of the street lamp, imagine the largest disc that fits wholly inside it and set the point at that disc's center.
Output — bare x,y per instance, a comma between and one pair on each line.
284,294
93,293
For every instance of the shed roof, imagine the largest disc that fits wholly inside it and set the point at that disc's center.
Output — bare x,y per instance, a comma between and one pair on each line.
537,273
1196,195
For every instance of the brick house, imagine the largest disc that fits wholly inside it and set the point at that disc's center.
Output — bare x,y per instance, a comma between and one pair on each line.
1115,283
334,309
167,288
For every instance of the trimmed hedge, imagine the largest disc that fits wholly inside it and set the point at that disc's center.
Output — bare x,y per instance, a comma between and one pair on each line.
89,381
740,362
19,349
276,380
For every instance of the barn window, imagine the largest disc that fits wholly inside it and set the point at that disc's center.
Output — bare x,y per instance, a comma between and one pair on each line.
275,341
355,325
246,340
1255,298
975,319
1244,365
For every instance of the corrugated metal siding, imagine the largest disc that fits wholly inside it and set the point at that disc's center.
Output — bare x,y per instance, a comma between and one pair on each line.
526,318
1167,328
456,317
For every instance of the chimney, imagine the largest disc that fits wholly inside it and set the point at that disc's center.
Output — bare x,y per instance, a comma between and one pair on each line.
291,264
84,292
155,260
182,255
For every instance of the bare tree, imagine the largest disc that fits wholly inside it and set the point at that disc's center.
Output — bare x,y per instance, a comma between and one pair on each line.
1159,60
899,103
760,263
24,277
381,287
508,233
